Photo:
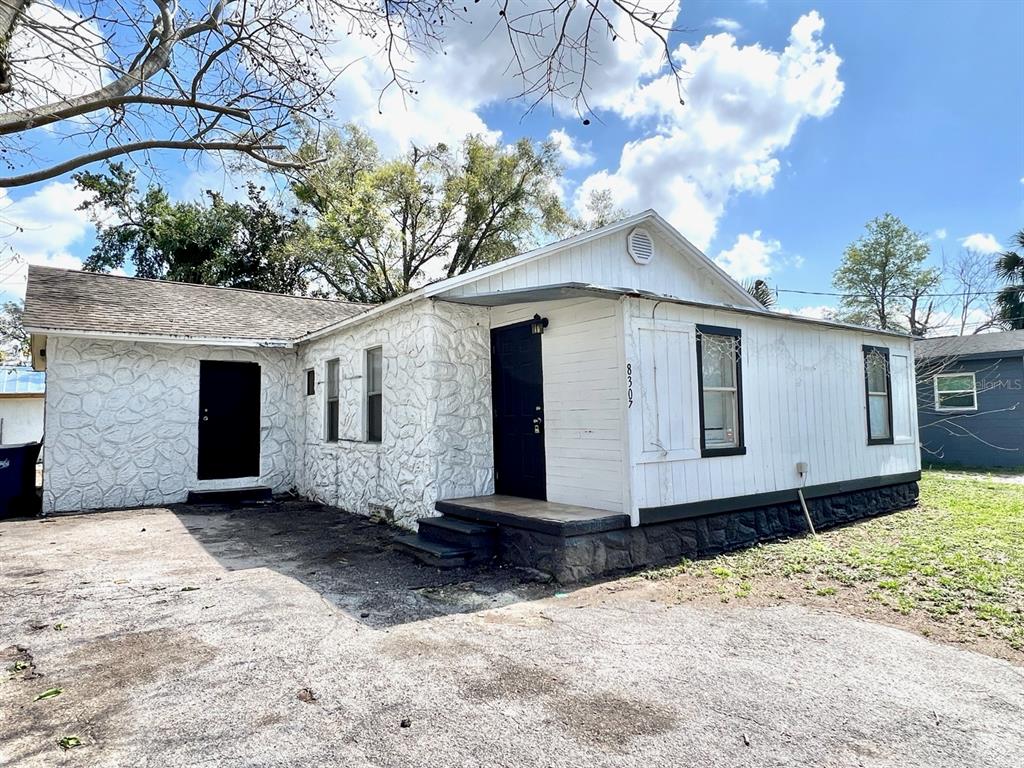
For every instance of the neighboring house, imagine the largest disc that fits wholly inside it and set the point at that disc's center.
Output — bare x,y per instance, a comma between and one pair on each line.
970,396
21,405
620,372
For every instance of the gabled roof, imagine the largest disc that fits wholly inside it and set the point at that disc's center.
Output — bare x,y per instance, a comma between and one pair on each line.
1009,343
91,304
650,217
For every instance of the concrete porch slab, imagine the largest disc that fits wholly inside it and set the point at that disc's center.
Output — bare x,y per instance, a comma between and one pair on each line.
534,515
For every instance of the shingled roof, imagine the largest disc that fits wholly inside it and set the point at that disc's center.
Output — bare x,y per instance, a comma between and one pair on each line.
69,301
987,344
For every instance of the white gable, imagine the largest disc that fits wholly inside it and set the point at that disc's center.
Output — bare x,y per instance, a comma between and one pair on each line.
642,253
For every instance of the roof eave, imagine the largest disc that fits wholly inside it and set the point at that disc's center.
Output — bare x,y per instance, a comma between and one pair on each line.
575,290
212,341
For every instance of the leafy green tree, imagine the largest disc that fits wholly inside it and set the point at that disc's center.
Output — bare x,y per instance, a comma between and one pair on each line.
1010,301
235,244
382,227
600,210
884,280
14,340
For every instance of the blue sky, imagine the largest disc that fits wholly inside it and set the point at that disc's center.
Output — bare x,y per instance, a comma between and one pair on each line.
803,121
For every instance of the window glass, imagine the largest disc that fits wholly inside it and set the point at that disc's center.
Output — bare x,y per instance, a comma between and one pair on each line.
720,395
374,398
719,419
876,376
955,383
310,382
878,414
719,361
333,406
956,392
876,373
374,366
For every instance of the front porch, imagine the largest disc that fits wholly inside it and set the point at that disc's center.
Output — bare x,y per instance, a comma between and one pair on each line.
512,529
533,514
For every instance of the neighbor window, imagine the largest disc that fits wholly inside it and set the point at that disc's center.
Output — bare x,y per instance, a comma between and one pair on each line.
721,391
956,392
878,389
333,407
374,400
310,382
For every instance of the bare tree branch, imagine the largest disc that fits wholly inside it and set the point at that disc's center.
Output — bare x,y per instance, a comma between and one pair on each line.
215,73
253,150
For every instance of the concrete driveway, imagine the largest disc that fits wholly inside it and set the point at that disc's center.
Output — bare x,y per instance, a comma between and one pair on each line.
296,635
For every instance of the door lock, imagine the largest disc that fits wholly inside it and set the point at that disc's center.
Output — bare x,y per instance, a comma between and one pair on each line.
536,425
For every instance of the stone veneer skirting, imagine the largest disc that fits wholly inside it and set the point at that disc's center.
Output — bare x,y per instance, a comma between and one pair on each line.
578,558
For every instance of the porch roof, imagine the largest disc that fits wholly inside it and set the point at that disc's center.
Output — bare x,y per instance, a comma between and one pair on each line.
585,290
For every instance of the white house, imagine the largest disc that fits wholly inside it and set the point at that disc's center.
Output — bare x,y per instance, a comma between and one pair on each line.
605,401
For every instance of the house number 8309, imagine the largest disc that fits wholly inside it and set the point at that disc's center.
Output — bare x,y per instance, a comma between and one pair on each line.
629,385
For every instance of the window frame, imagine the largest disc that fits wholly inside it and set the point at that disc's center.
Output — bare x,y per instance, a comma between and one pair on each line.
740,448
973,390
369,393
310,381
328,399
882,352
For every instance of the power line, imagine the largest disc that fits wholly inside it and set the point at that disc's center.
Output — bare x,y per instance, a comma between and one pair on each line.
961,294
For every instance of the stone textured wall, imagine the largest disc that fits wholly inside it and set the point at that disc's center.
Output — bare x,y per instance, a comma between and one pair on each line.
121,423
436,439
578,558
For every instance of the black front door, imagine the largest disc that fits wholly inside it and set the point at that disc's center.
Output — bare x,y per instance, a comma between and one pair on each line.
518,395
229,419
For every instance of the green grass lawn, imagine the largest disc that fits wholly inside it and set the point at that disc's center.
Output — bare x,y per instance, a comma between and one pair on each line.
953,567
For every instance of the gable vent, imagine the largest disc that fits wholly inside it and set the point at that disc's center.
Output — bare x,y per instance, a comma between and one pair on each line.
640,245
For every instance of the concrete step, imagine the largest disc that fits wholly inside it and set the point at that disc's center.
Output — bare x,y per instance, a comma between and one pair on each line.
436,554
257,494
458,533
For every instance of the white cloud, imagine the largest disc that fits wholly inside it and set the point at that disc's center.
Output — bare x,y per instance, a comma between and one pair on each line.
574,154
982,242
750,256
39,228
947,323
727,25
744,105
819,312
940,234
472,72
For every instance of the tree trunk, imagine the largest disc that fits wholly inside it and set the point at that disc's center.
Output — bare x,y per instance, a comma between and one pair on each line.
9,12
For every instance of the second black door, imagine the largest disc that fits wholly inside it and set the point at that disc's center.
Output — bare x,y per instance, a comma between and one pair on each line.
518,399
229,419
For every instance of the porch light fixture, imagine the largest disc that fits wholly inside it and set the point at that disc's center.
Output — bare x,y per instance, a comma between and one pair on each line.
539,324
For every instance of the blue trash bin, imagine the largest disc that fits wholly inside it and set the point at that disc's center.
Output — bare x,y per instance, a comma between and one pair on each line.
18,479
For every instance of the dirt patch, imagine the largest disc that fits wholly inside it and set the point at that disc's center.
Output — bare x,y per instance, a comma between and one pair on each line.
610,720
507,679
120,661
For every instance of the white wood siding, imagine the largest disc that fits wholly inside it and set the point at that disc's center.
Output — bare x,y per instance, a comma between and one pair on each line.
803,400
605,262
583,399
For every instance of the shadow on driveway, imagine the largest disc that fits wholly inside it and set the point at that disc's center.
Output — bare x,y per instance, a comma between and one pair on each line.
353,562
